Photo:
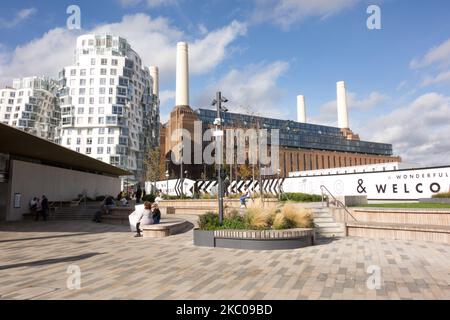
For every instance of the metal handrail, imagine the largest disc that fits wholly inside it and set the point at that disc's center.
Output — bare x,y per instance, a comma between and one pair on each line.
338,202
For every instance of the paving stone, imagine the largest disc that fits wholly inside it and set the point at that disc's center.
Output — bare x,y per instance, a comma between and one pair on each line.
34,258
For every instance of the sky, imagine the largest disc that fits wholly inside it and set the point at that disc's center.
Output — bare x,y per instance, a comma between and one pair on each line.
263,53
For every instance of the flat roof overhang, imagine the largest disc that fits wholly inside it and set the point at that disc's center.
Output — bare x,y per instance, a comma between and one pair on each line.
18,143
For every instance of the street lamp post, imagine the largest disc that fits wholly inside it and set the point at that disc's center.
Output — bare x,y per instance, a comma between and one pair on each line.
181,169
167,182
219,134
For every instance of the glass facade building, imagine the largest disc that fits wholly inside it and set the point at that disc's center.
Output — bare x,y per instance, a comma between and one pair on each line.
299,135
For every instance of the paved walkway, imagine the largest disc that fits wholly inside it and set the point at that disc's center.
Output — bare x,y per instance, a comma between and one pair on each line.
34,258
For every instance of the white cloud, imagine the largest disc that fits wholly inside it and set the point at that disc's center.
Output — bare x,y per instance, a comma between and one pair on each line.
442,77
153,38
19,17
437,55
253,89
328,111
419,132
285,13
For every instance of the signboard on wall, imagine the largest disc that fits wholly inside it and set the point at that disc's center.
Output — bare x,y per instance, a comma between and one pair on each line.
409,184
17,200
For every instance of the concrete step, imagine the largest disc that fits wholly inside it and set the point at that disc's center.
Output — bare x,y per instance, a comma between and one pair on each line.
323,219
330,234
321,214
325,230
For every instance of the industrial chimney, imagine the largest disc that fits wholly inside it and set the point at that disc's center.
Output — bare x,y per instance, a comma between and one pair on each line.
301,109
182,94
342,106
154,73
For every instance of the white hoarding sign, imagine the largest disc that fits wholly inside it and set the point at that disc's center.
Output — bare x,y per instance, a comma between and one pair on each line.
390,185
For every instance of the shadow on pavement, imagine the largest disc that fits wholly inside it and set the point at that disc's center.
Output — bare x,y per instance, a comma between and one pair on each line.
50,261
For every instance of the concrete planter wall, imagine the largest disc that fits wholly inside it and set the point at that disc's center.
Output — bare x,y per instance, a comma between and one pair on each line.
435,200
255,239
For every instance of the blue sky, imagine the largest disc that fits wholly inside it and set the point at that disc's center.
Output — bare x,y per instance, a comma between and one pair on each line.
263,53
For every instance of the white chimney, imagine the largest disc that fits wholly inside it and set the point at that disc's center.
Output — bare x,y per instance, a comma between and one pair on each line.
154,73
342,106
182,94
301,109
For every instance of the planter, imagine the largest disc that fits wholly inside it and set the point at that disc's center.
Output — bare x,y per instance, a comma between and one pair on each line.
203,238
255,239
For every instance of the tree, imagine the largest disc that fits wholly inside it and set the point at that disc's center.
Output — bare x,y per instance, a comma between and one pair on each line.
154,168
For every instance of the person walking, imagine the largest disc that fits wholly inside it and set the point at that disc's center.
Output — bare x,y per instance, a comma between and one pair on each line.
138,195
45,207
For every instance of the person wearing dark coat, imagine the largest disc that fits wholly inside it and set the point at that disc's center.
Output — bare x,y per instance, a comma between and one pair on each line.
138,195
45,207
156,214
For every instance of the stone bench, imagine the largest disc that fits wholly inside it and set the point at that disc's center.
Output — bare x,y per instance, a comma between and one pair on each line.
166,227
399,231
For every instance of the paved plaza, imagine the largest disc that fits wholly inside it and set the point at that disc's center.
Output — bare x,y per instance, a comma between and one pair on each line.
35,257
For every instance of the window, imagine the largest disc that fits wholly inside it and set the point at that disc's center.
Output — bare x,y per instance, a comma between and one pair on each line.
101,100
113,72
101,120
89,141
80,100
104,62
103,81
101,110
108,150
92,72
110,140
114,62
100,140
83,72
77,149
73,72
82,82
111,131
91,100
91,110
111,81
90,120
80,110
92,62
101,131
89,131
78,141
99,150
82,91
103,72
88,150
111,91
102,90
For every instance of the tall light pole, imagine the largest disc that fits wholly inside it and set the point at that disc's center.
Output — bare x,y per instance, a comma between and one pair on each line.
219,135
181,168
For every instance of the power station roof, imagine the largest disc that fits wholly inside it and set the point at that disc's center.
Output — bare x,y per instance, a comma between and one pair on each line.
24,145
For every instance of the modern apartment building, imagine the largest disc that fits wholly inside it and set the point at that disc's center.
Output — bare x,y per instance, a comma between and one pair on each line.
109,103
31,104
